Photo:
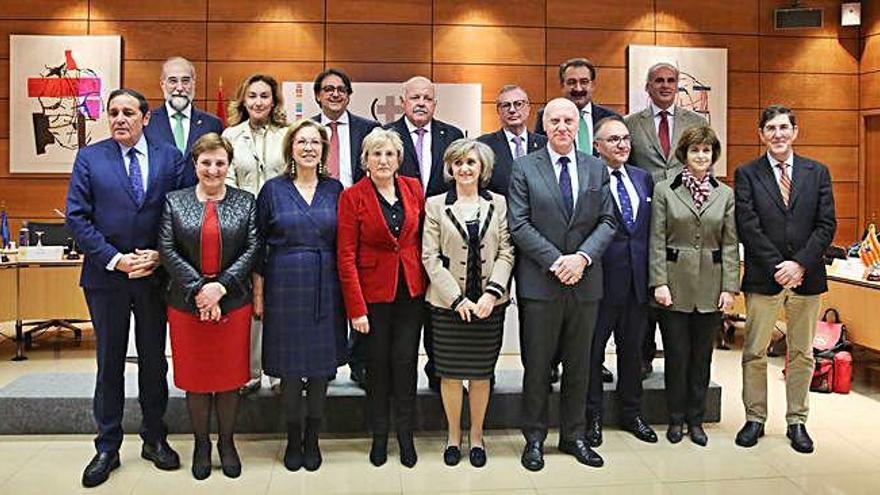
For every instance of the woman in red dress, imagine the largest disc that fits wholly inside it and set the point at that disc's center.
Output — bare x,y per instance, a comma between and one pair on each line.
208,243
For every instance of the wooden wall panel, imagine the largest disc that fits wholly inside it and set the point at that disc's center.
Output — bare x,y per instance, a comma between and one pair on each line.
813,91
828,128
145,75
870,90
37,27
629,15
870,61
233,73
700,16
842,161
44,9
848,232
488,45
870,18
378,43
492,77
383,72
609,90
269,10
831,28
607,48
742,126
253,42
740,154
490,12
33,198
4,118
846,199
743,89
154,10
816,55
742,51
4,79
145,40
381,11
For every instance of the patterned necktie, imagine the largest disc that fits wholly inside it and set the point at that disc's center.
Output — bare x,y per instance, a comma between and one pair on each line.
663,133
333,156
585,135
565,186
518,147
134,176
420,141
178,132
784,182
626,208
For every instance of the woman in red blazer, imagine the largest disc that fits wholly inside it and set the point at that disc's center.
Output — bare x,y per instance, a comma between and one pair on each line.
379,259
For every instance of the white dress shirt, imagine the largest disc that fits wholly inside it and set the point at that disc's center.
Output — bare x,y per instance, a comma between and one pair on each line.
778,173
572,170
425,169
143,155
344,130
669,118
512,144
630,190
185,122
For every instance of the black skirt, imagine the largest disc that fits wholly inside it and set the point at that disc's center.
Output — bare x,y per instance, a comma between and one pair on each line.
466,351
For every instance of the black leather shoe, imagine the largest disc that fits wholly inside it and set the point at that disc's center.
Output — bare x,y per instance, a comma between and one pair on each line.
607,375
408,456
230,463
640,429
698,435
533,456
161,455
647,369
749,434
800,439
451,455
201,462
674,433
98,469
477,456
594,430
581,451
379,449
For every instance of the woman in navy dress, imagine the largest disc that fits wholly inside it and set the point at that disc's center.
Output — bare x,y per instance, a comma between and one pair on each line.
301,301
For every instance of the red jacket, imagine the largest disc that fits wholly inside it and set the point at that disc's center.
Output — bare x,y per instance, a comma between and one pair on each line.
368,255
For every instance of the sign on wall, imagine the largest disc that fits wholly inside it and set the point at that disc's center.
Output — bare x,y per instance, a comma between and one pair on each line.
702,85
58,87
457,104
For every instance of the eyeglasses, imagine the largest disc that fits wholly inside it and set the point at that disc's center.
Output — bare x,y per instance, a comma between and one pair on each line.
516,104
615,140
338,89
302,143
173,81
781,128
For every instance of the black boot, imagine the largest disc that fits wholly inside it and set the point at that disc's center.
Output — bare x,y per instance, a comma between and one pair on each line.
201,462
408,455
379,450
311,452
293,455
230,463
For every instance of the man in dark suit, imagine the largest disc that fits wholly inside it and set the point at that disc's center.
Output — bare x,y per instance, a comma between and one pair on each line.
333,91
561,218
114,201
425,140
785,219
178,122
577,81
623,309
513,139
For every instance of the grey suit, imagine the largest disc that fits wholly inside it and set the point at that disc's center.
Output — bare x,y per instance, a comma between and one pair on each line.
646,152
555,315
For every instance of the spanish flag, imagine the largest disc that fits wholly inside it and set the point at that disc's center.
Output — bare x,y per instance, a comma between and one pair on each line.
869,250
221,104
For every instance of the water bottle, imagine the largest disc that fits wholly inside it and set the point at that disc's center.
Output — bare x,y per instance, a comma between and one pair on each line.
24,235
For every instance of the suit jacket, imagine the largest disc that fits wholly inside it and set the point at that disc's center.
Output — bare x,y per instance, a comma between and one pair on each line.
200,123
646,152
442,135
445,249
772,233
359,128
101,210
542,231
693,251
625,262
599,112
368,254
504,158
248,170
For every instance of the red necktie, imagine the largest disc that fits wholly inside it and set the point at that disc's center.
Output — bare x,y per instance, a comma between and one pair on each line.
663,133
333,156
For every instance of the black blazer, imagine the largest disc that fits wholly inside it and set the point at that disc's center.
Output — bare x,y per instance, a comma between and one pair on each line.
497,140
360,127
599,112
772,233
442,135
180,247
201,123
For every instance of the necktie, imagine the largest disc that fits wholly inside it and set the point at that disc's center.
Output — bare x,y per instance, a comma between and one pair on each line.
178,132
420,141
518,147
663,133
585,135
333,156
134,176
784,182
565,186
626,208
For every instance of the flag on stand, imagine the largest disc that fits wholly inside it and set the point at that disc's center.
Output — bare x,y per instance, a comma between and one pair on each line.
869,250
221,104
4,228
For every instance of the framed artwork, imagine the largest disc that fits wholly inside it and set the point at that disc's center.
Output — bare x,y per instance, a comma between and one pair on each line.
58,88
702,85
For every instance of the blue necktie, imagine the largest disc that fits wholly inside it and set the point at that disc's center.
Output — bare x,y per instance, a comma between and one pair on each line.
626,208
134,176
565,185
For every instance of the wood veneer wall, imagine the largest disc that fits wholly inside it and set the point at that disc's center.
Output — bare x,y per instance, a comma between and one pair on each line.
816,71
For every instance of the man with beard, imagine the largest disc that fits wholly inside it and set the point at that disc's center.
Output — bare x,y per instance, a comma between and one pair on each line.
178,122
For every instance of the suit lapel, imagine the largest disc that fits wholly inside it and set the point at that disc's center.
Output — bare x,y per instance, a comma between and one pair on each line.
768,179
160,120
716,192
533,143
643,213
583,174
438,140
409,150
678,126
195,127
646,120
504,148
545,170
798,179
119,170
685,197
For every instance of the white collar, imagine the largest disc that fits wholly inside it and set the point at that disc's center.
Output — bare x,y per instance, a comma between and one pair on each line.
655,110
412,127
622,169
554,156
187,112
343,119
588,109
788,161
509,135
140,146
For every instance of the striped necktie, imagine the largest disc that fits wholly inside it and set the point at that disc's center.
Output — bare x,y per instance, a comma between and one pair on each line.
784,182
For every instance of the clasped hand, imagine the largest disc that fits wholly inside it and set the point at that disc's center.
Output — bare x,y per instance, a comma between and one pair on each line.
481,309
569,268
140,263
789,274
208,301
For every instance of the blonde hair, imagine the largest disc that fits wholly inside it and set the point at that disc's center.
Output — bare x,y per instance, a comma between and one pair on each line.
377,138
459,149
237,111
287,146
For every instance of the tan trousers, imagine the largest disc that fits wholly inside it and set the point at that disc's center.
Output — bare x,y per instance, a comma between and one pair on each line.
801,313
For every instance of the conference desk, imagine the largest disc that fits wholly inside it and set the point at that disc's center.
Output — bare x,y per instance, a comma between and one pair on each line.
40,291
858,302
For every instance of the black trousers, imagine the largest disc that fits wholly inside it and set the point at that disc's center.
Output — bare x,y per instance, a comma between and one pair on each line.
628,322
392,353
565,324
688,340
357,350
111,316
649,345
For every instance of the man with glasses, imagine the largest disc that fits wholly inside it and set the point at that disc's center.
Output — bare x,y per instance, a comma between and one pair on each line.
624,304
513,140
785,219
177,122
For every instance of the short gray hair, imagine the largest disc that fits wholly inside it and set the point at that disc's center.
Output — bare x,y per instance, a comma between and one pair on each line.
661,65
459,149
377,138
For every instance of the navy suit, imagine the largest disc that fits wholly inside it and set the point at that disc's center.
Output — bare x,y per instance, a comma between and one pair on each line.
623,309
105,219
442,135
497,140
359,128
201,123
